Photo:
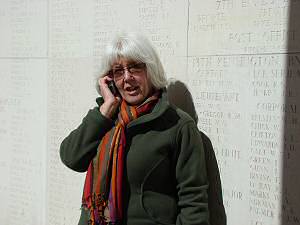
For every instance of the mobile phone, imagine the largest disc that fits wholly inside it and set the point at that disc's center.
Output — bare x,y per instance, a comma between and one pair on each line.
112,87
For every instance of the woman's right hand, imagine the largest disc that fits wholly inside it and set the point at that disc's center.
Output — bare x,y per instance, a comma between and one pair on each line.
111,102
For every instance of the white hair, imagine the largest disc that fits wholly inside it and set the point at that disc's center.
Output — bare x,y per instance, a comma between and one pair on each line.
132,46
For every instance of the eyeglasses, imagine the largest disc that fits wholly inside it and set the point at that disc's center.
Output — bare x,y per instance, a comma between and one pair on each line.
134,69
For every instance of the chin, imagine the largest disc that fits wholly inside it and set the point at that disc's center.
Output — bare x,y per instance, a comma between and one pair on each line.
134,100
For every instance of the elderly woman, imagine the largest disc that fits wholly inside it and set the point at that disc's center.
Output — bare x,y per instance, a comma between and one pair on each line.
143,156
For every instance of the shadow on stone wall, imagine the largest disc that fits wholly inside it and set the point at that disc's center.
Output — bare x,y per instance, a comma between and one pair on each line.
290,206
180,96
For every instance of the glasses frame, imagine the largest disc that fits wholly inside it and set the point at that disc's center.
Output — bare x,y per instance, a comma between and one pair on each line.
129,68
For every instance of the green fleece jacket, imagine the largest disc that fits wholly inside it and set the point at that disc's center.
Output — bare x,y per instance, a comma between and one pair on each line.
165,180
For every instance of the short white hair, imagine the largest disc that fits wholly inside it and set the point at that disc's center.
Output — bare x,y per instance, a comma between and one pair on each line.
136,47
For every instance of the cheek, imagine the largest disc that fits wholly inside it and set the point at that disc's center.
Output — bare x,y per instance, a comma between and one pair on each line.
119,85
144,85
149,86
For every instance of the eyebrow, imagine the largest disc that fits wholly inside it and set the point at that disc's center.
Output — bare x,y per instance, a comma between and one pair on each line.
117,66
120,65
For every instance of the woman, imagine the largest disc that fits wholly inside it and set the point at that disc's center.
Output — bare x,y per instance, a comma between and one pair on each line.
144,157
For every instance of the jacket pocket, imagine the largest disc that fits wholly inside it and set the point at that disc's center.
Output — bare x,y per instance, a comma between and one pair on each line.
161,208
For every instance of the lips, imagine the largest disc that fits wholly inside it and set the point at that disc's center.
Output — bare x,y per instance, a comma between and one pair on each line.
131,90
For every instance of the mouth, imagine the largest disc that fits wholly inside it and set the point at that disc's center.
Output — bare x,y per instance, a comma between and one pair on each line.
132,90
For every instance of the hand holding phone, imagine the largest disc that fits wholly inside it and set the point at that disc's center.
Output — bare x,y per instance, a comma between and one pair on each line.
112,87
111,98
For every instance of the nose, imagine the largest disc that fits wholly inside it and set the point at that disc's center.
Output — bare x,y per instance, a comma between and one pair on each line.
127,74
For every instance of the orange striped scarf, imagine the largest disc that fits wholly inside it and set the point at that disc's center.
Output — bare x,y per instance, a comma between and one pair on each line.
102,195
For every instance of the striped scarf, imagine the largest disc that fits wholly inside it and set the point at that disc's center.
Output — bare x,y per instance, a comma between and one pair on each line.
102,194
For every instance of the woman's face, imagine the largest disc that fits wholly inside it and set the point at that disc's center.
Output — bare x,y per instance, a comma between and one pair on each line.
131,80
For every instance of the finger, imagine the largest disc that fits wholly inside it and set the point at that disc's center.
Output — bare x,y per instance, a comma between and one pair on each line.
104,89
118,98
104,80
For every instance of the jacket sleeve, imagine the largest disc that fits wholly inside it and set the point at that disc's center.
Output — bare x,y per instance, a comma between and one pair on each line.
191,177
80,146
